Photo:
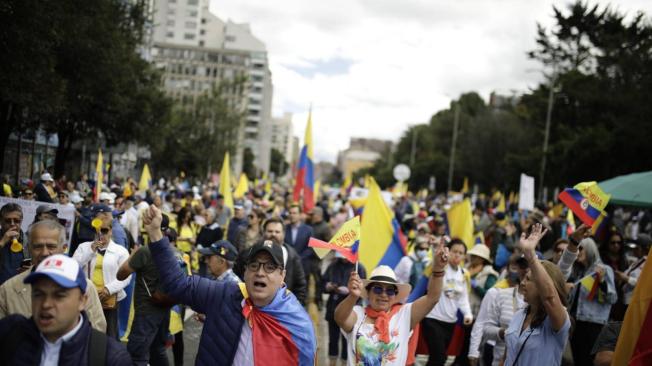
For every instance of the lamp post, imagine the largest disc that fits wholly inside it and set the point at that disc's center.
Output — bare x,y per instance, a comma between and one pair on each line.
546,136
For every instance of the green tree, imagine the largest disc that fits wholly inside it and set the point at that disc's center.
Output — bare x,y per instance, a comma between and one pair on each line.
278,165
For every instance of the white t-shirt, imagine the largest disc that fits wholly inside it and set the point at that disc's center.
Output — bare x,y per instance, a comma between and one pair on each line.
369,350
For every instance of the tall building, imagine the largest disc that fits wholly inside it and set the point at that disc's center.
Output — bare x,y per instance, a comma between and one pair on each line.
362,153
281,135
196,50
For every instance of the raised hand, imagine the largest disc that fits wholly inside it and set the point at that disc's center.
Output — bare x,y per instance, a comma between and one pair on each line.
152,218
582,232
355,284
439,255
528,243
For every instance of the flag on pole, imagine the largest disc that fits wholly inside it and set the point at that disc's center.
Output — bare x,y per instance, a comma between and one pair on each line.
460,222
634,347
225,182
501,204
465,185
347,185
346,241
99,175
317,188
457,340
304,186
145,179
242,188
586,200
382,241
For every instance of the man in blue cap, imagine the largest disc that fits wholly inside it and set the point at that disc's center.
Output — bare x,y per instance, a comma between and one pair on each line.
219,258
58,333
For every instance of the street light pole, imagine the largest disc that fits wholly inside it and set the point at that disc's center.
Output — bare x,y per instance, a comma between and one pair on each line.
546,137
414,147
451,165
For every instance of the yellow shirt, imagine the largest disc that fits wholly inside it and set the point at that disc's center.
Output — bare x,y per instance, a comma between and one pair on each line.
98,276
186,231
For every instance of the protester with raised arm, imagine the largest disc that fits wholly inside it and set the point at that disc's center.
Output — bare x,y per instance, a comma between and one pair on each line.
538,333
255,323
380,333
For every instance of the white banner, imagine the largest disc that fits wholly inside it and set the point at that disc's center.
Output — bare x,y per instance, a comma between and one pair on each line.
526,193
66,214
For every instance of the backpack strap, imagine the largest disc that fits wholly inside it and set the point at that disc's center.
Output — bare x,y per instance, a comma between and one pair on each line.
97,350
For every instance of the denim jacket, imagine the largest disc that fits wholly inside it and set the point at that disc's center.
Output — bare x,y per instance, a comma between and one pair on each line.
590,311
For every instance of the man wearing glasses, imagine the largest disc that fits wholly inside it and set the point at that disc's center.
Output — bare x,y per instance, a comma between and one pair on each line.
256,322
46,238
13,249
100,260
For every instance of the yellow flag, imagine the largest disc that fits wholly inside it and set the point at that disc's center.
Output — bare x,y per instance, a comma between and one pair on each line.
460,222
465,186
317,190
346,184
99,175
225,182
242,188
127,192
501,204
145,179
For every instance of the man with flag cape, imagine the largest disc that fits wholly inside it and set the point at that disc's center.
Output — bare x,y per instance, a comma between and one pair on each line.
246,324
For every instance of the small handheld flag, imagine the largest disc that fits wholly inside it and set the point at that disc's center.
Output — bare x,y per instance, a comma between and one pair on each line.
345,241
586,200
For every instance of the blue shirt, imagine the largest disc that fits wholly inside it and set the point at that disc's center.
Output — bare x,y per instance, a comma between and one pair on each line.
543,347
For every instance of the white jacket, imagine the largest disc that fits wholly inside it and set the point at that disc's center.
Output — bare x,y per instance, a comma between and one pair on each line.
114,257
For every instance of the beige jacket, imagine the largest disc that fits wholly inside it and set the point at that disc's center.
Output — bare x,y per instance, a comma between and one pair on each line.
16,298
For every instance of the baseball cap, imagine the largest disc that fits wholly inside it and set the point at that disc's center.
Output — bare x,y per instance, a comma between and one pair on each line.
100,208
47,177
238,205
223,248
106,196
61,269
267,246
46,209
76,198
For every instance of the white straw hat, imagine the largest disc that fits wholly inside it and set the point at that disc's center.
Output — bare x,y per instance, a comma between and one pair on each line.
482,251
384,274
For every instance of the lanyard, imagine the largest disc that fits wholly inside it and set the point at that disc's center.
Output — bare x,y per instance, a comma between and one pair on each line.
518,355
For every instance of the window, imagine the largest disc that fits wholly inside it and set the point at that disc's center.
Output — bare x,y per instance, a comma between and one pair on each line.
172,11
192,13
203,20
170,23
202,32
201,43
230,38
170,34
189,36
191,25
193,2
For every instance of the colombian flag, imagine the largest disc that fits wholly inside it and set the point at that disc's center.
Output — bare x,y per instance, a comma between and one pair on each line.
346,241
586,200
634,347
305,183
382,241
457,340
282,325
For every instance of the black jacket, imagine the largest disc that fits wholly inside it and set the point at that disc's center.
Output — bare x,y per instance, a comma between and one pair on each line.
73,352
295,278
42,193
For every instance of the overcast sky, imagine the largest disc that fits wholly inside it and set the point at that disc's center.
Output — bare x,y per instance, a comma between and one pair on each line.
372,68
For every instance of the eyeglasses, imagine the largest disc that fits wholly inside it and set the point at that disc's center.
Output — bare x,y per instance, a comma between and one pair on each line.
268,267
390,291
13,221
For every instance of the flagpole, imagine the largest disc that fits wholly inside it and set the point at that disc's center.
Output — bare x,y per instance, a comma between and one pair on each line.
356,266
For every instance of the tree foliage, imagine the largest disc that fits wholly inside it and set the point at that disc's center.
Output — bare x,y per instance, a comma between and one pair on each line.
277,164
73,69
601,66
197,138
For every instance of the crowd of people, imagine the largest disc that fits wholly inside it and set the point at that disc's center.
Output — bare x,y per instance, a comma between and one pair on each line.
532,289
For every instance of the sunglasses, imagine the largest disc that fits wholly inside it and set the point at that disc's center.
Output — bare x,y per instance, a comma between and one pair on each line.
13,221
378,290
105,230
268,267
